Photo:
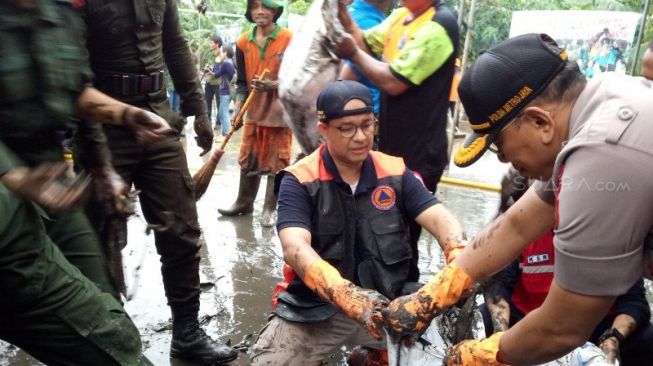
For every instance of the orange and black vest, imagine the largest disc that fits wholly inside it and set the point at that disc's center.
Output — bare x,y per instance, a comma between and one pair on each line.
365,235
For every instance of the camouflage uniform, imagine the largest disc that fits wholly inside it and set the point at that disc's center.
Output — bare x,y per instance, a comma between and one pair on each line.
47,306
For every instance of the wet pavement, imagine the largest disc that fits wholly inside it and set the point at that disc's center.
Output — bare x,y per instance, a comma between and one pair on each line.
242,261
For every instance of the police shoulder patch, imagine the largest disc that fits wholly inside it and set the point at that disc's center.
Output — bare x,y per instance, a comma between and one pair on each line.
384,197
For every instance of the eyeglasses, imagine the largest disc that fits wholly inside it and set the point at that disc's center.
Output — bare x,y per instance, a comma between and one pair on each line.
493,146
349,130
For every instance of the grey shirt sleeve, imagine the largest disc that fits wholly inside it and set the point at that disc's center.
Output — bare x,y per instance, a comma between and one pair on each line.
546,191
603,215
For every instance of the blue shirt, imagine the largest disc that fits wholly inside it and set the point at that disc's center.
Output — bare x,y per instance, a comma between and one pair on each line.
366,16
295,207
224,70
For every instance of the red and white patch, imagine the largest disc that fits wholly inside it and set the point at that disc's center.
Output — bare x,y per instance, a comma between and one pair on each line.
384,197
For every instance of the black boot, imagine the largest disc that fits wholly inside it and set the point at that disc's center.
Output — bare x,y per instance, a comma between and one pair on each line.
268,218
247,190
191,343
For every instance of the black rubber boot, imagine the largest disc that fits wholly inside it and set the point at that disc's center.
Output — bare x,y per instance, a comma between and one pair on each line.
247,190
191,343
268,217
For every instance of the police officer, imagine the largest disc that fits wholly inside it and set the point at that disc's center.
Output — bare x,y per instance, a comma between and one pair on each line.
588,145
128,42
48,307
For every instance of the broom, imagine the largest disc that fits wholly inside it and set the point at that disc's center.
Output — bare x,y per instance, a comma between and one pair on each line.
202,178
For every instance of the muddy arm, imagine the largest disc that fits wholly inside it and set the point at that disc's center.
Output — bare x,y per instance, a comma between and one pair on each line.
500,242
297,250
442,224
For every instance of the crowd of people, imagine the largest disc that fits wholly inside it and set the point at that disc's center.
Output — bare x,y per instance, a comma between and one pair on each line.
348,217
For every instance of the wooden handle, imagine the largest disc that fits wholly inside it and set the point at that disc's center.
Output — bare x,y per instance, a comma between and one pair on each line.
238,120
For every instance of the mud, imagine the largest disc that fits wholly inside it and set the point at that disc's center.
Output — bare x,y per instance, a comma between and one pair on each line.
242,261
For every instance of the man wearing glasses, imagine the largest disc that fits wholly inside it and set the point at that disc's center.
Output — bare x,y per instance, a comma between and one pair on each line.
588,143
343,214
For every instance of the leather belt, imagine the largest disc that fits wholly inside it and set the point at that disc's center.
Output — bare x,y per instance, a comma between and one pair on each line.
130,84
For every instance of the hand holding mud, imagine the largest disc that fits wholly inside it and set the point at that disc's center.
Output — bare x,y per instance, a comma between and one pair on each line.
147,127
362,305
111,192
475,352
407,317
610,347
204,137
347,48
46,185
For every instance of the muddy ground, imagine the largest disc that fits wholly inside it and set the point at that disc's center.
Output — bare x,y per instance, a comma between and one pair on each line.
241,261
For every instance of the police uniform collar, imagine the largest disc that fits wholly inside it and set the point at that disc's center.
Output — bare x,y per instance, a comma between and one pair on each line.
367,179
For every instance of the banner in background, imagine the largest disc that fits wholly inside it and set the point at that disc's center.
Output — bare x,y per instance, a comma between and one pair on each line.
598,40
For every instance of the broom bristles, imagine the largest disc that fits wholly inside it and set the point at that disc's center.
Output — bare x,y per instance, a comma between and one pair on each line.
202,178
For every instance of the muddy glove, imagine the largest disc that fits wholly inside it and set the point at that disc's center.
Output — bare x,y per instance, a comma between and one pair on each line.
362,305
407,317
46,185
111,191
474,352
204,133
453,250
146,126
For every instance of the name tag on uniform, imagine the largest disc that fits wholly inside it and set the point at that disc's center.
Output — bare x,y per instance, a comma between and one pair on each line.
538,258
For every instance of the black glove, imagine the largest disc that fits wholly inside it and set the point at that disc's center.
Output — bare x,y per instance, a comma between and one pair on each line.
204,133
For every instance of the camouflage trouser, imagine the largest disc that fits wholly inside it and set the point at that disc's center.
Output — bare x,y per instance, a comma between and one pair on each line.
282,342
47,307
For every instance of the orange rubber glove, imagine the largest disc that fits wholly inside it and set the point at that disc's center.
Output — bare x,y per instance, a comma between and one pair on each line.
362,305
407,317
475,352
452,252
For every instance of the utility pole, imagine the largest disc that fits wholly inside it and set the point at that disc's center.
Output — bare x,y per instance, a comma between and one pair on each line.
640,34
468,42
461,11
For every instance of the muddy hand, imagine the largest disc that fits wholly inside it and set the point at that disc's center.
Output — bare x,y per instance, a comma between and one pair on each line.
347,48
264,85
46,185
146,126
610,347
204,133
111,191
360,304
407,317
474,352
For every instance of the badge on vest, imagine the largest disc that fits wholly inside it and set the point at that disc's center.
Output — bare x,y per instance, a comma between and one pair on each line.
384,198
538,258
